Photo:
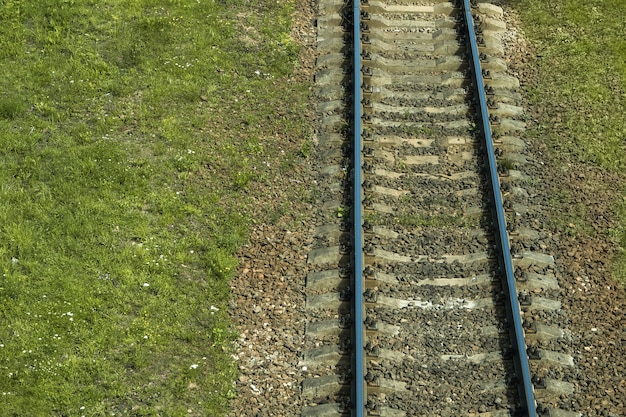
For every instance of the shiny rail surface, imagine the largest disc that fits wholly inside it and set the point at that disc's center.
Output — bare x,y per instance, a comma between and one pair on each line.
520,357
360,389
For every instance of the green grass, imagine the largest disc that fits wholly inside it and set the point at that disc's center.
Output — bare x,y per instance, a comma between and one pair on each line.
582,75
129,133
580,91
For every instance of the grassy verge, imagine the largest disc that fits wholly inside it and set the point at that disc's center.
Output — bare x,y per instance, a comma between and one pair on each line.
130,132
580,92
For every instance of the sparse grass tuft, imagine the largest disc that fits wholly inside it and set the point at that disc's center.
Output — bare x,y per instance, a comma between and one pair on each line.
306,147
506,164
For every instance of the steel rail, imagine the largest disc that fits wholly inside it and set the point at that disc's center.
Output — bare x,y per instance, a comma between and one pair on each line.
522,367
358,374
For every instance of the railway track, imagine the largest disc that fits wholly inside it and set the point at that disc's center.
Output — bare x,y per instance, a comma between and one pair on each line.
430,292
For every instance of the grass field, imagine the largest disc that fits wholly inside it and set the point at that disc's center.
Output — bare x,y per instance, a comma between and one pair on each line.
580,92
130,131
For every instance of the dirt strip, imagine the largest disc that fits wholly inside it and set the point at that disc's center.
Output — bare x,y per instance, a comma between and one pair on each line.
268,291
